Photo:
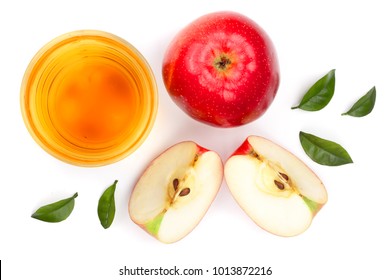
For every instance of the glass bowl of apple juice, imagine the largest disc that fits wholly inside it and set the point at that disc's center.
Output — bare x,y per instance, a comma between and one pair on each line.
89,98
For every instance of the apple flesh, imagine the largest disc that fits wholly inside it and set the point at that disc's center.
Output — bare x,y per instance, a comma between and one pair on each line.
222,69
176,190
276,189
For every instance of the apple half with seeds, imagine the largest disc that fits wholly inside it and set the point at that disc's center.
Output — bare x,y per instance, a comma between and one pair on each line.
176,190
279,192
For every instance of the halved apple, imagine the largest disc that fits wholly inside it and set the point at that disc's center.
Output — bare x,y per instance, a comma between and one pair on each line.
176,190
277,190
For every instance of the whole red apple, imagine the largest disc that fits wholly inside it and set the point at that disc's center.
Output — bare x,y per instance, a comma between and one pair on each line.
222,69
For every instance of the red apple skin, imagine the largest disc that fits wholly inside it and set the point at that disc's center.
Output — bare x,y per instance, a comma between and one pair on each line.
222,69
245,149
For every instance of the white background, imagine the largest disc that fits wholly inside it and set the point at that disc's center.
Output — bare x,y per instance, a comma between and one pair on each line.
349,238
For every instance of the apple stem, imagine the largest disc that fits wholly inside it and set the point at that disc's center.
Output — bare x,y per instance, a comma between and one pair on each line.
222,62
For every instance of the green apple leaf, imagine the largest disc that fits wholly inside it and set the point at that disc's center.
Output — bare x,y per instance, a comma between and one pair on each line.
57,211
364,105
323,151
106,206
320,94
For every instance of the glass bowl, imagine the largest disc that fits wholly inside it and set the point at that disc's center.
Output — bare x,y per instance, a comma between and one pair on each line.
89,98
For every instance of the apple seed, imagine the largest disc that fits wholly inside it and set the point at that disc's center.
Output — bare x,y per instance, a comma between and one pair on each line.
175,183
285,177
184,192
279,185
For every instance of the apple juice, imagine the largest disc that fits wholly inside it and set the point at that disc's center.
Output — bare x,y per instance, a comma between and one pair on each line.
94,102
89,98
